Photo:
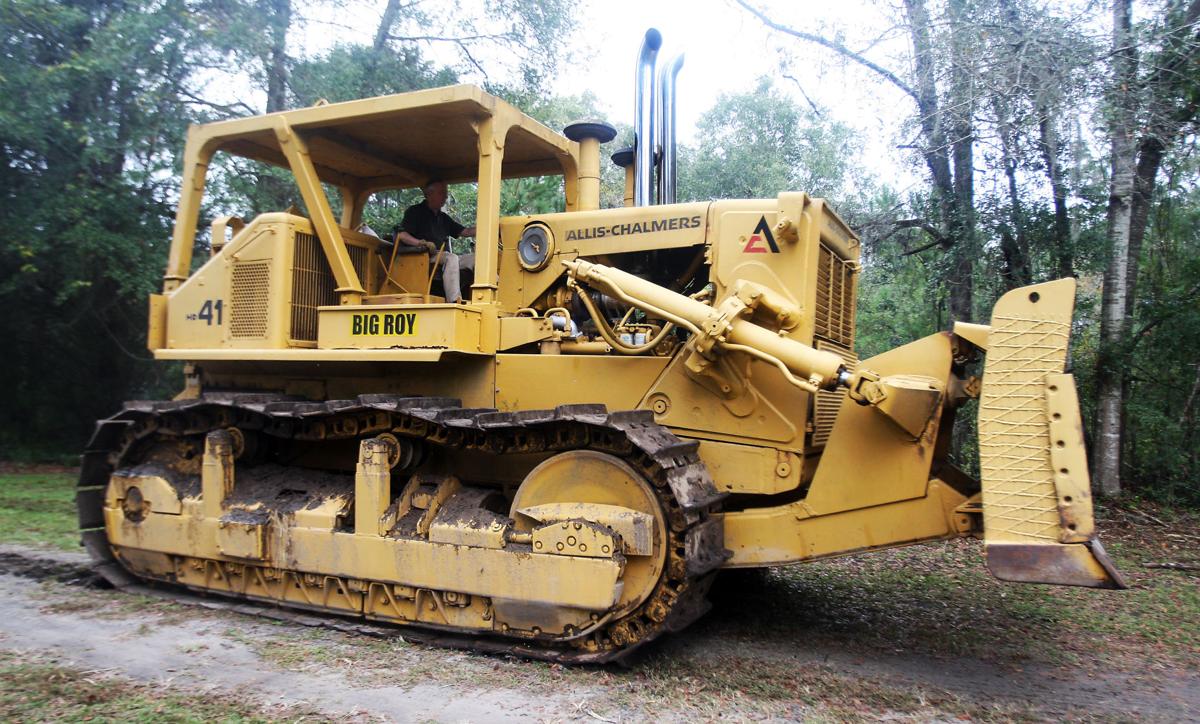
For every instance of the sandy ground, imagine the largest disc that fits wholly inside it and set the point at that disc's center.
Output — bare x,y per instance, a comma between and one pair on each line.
212,651
48,607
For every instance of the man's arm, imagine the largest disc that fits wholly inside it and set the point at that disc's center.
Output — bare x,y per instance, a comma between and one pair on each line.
410,240
456,229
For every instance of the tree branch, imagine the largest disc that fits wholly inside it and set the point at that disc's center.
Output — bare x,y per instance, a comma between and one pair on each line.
923,247
236,108
832,45
467,52
938,237
117,341
447,38
800,87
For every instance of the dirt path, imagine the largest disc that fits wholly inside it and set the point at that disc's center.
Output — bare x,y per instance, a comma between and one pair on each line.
720,668
205,650
200,655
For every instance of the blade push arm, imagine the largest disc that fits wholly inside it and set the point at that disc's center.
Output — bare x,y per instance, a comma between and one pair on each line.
909,402
724,326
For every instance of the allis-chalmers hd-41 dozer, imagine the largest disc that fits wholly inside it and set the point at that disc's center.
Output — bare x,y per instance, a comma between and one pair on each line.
630,400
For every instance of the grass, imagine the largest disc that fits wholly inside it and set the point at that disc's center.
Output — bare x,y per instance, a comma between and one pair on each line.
939,600
38,509
108,604
704,686
43,690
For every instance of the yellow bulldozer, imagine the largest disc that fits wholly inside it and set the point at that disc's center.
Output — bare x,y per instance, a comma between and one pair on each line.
629,401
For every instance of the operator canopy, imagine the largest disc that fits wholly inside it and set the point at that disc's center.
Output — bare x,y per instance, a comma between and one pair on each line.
398,140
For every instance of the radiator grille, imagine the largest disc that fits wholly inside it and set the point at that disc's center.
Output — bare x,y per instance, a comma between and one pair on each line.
249,298
827,402
835,298
313,284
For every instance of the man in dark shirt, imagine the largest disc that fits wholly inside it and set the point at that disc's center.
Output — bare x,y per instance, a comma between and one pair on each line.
426,225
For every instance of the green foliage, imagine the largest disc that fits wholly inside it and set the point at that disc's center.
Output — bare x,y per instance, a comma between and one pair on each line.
349,72
545,194
757,144
385,210
899,301
1163,402
87,151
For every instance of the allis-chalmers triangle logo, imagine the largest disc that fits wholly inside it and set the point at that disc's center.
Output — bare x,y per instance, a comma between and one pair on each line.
761,233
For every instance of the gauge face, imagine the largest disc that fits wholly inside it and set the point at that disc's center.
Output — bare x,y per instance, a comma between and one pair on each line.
535,247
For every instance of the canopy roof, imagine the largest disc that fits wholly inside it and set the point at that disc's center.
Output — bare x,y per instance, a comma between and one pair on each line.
398,140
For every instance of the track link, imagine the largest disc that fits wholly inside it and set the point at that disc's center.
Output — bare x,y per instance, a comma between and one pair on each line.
679,478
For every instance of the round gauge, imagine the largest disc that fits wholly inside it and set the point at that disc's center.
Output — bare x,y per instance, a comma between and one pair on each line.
535,247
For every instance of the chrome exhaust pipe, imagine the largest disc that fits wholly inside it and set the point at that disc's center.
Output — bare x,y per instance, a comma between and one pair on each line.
667,175
644,125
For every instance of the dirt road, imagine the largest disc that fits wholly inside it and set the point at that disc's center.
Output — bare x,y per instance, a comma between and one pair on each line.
770,649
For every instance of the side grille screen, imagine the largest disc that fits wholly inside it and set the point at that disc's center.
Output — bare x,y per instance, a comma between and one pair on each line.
312,287
835,299
359,257
313,284
827,402
248,300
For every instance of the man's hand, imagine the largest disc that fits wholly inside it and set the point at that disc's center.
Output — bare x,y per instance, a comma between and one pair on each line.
410,240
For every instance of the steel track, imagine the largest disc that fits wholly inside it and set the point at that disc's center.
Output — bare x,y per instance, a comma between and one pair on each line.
681,482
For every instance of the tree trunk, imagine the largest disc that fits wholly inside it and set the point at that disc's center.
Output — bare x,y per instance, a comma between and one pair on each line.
1171,104
1187,420
1048,145
1114,320
1064,246
952,185
279,19
1015,245
960,112
385,24
935,147
1172,101
273,193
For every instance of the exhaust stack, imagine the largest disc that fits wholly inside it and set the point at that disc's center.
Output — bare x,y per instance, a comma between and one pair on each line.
666,129
644,127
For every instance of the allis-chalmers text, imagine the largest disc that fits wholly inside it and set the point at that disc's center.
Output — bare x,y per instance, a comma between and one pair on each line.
636,227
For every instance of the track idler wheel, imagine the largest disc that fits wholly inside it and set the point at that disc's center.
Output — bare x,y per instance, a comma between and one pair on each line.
588,486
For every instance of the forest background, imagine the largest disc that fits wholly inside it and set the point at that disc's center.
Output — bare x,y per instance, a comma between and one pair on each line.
1050,139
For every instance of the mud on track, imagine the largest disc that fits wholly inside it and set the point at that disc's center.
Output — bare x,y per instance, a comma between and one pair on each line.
759,654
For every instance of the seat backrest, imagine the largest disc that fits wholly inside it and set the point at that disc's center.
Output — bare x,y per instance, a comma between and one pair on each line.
408,273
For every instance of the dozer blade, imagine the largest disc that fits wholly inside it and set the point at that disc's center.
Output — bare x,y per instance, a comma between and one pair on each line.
1037,505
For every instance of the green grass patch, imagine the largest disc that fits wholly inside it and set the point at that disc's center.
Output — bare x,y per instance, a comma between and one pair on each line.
38,509
939,600
113,604
43,691
708,686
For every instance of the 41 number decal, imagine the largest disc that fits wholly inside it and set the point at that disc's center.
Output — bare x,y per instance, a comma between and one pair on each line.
211,312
